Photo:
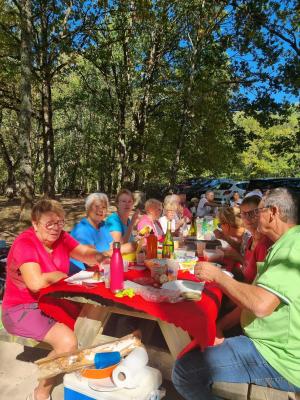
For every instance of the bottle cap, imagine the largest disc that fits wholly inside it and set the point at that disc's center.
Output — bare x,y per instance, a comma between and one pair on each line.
117,245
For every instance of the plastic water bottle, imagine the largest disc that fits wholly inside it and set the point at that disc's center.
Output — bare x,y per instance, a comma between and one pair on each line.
116,269
204,226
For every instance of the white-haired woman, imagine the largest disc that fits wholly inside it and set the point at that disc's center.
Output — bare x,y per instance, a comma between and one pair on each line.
153,210
91,230
171,210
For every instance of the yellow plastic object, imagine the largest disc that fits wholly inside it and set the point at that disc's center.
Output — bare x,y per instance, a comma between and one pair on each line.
144,231
93,373
131,257
126,292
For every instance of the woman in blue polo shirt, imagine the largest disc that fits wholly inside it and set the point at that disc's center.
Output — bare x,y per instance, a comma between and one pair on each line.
92,229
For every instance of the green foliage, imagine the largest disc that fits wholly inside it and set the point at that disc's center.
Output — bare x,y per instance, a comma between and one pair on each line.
147,92
273,151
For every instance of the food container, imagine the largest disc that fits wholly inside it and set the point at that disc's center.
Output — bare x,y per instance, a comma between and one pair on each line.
158,269
187,263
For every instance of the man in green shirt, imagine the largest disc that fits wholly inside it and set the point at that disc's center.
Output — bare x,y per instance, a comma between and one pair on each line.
268,354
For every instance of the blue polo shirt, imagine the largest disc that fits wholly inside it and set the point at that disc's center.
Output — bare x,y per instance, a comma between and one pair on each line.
86,233
115,224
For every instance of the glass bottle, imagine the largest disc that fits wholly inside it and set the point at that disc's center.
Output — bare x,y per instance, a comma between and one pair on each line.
116,269
151,249
168,244
193,227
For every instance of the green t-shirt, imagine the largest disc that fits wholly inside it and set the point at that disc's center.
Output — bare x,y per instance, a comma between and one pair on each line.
277,336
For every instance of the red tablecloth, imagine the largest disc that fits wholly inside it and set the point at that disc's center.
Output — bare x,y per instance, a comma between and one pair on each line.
197,318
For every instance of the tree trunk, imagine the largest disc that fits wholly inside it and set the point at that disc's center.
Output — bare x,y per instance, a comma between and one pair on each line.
48,140
26,179
10,167
185,124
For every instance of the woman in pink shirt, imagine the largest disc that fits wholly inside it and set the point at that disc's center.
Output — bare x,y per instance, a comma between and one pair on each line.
39,257
153,210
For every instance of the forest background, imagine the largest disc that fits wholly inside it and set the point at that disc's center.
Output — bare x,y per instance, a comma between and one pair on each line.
98,95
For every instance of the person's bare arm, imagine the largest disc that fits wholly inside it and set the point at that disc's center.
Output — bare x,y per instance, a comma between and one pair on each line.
35,279
233,243
212,204
255,299
134,220
117,236
88,254
228,321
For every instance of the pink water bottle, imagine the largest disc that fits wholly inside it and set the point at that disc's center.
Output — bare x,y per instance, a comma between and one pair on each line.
116,269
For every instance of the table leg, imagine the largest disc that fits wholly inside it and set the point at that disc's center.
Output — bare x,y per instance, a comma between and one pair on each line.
90,324
176,338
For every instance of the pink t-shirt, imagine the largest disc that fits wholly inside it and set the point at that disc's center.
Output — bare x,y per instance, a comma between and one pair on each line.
155,226
28,248
251,257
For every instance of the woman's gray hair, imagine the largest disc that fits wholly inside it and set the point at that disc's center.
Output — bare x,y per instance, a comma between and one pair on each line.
152,203
96,197
285,201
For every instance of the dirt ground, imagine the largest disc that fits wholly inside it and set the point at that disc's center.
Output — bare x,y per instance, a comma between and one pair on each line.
10,209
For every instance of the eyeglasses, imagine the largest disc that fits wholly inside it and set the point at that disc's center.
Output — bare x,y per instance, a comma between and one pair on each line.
50,225
252,213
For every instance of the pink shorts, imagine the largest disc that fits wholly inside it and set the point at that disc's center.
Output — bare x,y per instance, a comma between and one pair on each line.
27,320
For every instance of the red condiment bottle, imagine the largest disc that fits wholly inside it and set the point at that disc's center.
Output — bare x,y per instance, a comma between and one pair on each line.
151,249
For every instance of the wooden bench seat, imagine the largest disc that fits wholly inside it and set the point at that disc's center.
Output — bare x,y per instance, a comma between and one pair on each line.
243,391
27,342
6,337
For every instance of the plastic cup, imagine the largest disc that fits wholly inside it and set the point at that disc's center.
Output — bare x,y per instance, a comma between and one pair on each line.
106,273
213,255
172,269
125,264
200,248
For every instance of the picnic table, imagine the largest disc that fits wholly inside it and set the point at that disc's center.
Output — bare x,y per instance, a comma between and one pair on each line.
179,322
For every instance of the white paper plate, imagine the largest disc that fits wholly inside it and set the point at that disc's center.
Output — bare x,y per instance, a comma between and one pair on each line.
103,385
184,286
80,276
91,280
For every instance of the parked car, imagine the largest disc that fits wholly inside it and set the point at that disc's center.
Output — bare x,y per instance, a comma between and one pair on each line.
224,192
269,183
200,188
182,186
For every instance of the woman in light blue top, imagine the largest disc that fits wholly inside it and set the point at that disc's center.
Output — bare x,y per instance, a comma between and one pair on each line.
92,230
119,224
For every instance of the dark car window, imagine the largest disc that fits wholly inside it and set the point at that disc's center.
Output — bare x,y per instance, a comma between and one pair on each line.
211,183
224,186
242,185
270,183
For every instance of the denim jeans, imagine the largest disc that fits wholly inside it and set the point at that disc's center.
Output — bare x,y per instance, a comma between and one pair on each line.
235,360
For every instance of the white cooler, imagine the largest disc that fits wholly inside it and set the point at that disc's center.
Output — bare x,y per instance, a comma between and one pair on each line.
77,388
